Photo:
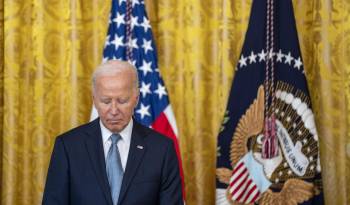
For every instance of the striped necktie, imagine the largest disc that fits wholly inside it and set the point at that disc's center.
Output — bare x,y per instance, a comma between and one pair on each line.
114,168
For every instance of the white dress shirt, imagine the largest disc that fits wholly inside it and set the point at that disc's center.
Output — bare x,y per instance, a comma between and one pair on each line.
123,144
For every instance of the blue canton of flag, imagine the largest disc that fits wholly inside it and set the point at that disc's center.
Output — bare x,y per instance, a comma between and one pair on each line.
269,81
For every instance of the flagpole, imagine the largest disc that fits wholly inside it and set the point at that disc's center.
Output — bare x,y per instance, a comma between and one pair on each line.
128,31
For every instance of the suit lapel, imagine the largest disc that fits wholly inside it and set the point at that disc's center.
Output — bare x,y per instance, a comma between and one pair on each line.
136,152
95,149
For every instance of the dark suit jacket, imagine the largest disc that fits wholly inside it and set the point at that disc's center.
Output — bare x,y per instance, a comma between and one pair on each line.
77,171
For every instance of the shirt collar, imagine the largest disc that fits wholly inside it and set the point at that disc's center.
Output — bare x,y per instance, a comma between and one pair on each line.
125,133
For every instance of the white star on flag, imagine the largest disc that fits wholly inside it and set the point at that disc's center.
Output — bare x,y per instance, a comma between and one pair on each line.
147,45
143,111
242,61
145,24
252,57
133,43
145,89
134,21
279,56
298,63
119,19
160,91
118,41
289,58
146,67
262,56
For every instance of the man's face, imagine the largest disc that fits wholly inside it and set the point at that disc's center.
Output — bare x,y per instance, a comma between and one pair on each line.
115,98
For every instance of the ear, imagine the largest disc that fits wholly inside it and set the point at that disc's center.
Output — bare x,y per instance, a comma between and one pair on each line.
137,97
93,99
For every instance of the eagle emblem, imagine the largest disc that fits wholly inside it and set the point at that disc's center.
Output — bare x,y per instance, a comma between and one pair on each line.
286,178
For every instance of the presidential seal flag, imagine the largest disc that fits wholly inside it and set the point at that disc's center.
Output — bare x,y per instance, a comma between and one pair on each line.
130,38
268,150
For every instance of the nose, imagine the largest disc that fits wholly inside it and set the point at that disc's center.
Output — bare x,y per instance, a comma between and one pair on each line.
114,108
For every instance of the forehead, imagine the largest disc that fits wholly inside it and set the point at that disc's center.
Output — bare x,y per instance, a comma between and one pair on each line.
113,85
114,68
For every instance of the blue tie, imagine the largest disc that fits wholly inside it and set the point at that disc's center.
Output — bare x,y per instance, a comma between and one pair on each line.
114,168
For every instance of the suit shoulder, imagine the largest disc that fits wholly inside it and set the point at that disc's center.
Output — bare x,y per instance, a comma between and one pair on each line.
154,136
77,133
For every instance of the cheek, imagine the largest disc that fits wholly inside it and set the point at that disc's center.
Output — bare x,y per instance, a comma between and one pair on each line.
128,109
102,108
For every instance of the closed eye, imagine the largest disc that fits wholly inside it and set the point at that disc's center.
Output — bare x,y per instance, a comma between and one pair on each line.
123,100
106,101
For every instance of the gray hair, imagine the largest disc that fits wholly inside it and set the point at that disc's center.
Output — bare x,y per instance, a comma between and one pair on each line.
112,67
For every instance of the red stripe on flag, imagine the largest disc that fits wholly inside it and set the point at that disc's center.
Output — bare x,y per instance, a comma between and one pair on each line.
256,195
249,193
244,190
240,185
237,168
162,125
239,176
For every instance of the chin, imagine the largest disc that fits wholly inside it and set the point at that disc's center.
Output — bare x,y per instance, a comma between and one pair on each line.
116,126
117,129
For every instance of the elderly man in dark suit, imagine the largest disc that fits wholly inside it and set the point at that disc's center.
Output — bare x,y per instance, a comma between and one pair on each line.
113,159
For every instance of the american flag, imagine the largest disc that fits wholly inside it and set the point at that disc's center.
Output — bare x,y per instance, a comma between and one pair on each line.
130,38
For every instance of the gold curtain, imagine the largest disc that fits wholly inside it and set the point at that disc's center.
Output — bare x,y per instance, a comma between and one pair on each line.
324,33
50,50
50,47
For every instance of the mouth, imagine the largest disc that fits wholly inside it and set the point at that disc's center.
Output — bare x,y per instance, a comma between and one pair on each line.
114,121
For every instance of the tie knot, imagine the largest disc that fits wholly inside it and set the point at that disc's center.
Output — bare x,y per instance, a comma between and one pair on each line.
115,138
